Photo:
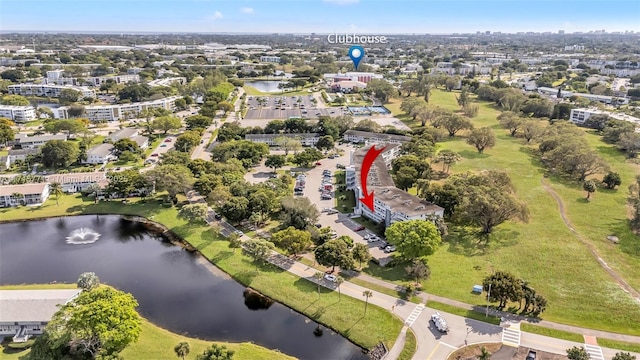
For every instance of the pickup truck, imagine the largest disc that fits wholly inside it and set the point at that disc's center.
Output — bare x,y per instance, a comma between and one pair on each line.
531,355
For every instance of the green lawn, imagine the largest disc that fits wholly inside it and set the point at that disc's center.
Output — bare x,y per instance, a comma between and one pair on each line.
558,334
543,252
410,346
250,90
346,315
619,345
463,312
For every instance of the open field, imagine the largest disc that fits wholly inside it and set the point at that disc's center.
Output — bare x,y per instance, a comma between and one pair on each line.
346,315
544,252
559,334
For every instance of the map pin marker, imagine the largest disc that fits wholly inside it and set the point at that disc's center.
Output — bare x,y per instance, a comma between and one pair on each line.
356,53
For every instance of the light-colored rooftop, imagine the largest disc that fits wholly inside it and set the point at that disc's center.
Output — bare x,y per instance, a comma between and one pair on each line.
75,178
33,305
24,189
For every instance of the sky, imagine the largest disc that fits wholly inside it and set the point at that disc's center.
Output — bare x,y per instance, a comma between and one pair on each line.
319,16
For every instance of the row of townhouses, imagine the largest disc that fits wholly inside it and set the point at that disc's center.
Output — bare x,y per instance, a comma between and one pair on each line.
311,139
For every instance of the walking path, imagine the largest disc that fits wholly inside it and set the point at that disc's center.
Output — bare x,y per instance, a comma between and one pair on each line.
617,278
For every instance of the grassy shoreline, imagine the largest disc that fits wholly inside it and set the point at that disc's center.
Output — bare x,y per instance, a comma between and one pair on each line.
156,342
343,315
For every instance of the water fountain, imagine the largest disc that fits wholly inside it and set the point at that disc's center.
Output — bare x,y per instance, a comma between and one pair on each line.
82,236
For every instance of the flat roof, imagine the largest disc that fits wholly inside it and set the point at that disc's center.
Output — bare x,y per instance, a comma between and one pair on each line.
33,305
367,134
273,136
24,189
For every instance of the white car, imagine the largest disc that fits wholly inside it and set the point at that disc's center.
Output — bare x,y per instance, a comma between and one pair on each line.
330,277
367,236
439,322
390,249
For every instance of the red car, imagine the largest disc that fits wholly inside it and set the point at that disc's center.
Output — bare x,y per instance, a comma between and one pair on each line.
318,163
167,140
154,155
360,228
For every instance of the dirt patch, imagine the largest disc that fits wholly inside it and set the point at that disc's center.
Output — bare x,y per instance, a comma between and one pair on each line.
471,352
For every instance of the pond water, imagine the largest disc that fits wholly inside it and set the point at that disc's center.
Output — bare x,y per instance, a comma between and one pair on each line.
264,85
176,289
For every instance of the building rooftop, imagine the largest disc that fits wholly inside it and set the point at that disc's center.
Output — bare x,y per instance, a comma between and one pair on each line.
33,305
16,107
271,136
100,150
18,152
28,139
24,189
373,135
140,140
123,134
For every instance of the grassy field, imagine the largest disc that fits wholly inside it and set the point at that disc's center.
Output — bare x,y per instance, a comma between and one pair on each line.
613,344
250,90
346,315
559,334
463,312
543,252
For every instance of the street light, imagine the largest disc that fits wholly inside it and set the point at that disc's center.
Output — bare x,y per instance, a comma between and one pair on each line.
488,296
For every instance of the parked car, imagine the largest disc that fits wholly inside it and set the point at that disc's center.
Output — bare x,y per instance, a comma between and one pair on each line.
439,322
218,217
531,355
330,277
318,226
318,163
389,249
154,155
167,140
359,228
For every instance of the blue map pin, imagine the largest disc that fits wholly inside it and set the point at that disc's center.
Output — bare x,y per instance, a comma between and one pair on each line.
356,53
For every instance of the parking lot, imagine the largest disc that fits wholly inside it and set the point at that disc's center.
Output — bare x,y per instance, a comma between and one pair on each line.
284,107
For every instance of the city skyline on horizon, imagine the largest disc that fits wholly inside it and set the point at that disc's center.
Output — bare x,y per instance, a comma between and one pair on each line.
401,17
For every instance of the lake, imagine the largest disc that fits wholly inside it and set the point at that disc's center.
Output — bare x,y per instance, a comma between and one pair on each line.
176,289
264,85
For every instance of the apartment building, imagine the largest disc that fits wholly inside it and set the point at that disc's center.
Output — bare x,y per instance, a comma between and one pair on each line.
390,203
23,194
99,154
461,69
34,142
579,116
48,90
270,59
123,133
306,139
103,113
168,81
355,136
20,154
364,77
609,100
19,114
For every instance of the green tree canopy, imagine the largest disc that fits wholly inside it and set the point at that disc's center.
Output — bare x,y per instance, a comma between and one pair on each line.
292,240
414,238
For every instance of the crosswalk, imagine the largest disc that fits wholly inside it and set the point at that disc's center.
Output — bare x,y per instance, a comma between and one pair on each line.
511,336
595,352
414,315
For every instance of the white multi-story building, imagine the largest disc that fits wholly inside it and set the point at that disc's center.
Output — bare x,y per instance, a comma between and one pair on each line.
23,194
579,116
463,69
364,77
390,203
167,81
355,136
34,142
574,48
306,139
100,113
99,154
48,90
18,114
74,182
270,59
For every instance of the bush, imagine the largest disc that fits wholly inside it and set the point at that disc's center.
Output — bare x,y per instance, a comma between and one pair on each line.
21,346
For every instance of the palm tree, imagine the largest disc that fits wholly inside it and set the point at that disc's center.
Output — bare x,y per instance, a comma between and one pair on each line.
56,189
484,354
367,294
182,349
16,196
339,281
318,275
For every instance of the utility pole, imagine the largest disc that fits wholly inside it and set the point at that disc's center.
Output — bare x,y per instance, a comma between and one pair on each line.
488,297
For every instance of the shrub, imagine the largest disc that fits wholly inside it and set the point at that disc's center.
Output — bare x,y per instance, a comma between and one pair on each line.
21,346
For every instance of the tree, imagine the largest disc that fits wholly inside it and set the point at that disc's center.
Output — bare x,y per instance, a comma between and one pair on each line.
382,89
465,98
235,209
225,107
453,123
75,111
531,130
578,353
56,189
14,100
447,158
182,349
623,356
166,124
630,143
504,287
98,323
287,144
257,249
187,141
489,206
597,122
367,294
69,96
484,354
216,352
175,179
126,144
405,177
611,180
6,133
339,281
14,75
511,121
470,110
590,187
361,253
194,213
88,281
235,242
318,276
334,253
275,162
408,105
292,240
135,92
198,121
58,153
481,138
325,142
418,270
298,212
413,238
18,195
231,131
306,157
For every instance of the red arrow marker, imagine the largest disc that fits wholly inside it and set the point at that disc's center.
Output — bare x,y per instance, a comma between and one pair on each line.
369,158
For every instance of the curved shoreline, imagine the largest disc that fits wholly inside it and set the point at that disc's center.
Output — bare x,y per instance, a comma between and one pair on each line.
175,239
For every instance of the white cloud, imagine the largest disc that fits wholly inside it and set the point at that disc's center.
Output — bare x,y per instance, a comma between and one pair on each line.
217,15
246,10
342,2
